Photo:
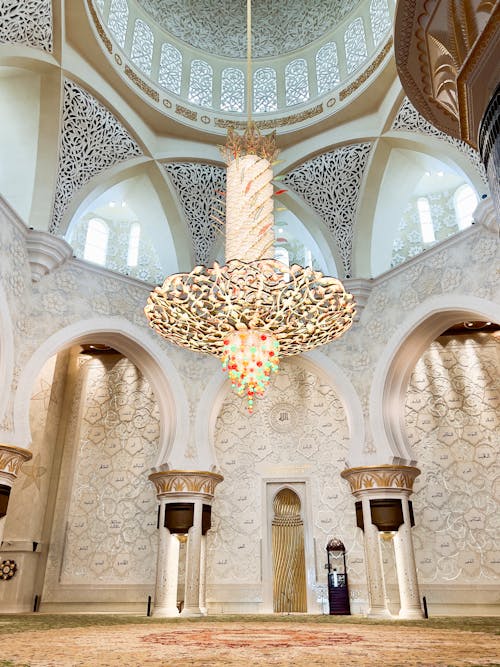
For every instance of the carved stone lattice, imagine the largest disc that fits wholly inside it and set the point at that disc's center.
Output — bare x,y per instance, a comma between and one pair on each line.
92,139
28,22
408,119
197,186
330,184
182,481
218,27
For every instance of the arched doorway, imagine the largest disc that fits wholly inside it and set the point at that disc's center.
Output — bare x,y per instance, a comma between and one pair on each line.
289,590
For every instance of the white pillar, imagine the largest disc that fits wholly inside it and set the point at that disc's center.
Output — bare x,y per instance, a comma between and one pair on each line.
167,570
2,526
193,562
377,595
203,578
406,568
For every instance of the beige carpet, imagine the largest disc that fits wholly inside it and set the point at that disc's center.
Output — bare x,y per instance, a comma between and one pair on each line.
206,644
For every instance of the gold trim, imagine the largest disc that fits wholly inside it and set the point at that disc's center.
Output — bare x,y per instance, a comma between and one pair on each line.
99,27
271,124
187,113
140,83
11,460
367,73
185,481
368,478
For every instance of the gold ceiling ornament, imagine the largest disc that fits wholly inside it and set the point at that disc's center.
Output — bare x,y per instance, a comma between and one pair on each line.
255,309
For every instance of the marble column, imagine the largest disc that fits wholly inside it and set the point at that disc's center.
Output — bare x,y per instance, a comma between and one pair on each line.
395,483
167,570
196,488
11,460
377,594
203,577
406,569
193,565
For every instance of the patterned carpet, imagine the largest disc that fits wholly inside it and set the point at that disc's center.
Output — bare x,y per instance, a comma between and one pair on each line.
208,643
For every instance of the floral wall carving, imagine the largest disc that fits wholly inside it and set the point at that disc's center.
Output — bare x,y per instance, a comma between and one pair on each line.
298,430
452,421
92,140
111,535
409,120
330,184
198,187
27,22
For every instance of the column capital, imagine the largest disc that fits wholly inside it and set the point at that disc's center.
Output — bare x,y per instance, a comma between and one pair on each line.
11,460
185,481
381,478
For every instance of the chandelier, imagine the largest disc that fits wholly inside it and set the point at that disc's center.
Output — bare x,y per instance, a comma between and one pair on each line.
255,309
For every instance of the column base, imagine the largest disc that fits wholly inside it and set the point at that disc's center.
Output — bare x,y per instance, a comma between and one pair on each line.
412,613
378,612
191,611
165,612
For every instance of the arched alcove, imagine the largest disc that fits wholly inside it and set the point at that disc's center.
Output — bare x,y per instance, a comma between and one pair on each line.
144,352
452,419
300,436
403,350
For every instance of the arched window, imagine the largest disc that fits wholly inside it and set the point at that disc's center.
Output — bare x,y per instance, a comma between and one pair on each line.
117,20
133,244
425,217
327,68
282,255
355,45
232,95
141,53
265,94
96,242
465,201
200,83
170,72
296,82
380,19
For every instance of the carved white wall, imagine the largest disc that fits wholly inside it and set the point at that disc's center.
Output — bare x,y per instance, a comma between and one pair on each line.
297,433
110,506
453,423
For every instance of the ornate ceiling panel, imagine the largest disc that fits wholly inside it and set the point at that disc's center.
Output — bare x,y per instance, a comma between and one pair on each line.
330,184
92,140
28,22
219,26
198,187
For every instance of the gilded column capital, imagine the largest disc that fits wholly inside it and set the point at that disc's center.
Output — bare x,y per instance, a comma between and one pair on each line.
185,481
382,477
11,460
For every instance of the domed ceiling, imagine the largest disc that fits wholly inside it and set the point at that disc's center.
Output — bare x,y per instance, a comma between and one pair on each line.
219,26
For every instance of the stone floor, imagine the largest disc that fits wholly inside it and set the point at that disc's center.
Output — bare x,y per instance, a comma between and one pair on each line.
241,642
